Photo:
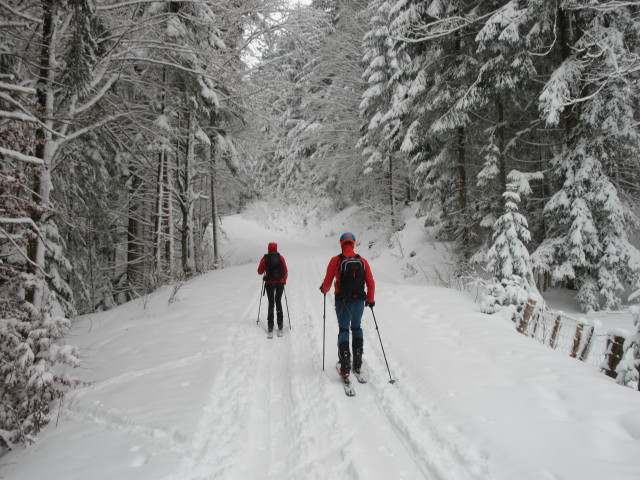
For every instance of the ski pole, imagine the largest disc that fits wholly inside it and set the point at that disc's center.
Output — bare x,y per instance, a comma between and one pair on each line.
284,289
391,380
260,304
324,322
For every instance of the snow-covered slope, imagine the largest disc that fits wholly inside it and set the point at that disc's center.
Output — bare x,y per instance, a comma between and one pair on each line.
193,389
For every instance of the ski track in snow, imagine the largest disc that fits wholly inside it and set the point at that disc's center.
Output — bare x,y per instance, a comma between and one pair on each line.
273,413
214,450
193,390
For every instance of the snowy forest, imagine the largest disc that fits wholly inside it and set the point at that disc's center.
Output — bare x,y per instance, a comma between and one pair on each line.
128,128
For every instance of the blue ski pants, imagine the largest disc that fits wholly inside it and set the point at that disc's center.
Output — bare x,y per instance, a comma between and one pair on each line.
349,316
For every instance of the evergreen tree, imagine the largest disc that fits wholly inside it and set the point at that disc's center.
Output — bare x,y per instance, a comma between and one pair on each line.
588,220
383,108
508,258
30,335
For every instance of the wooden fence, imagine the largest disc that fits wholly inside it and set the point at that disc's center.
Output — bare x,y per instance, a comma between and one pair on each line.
575,337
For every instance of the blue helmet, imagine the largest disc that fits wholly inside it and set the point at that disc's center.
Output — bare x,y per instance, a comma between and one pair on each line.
347,237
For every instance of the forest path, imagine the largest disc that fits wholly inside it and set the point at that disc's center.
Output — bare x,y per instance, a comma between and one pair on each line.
274,413
184,385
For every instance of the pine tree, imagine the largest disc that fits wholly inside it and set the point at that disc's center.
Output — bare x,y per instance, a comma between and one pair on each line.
508,258
383,108
587,218
312,73
30,335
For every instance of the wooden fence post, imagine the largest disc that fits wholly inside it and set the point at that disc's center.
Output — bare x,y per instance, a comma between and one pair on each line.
554,333
528,311
576,340
613,354
587,343
537,319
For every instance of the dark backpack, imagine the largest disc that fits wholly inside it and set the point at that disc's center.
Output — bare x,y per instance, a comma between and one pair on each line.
274,270
352,276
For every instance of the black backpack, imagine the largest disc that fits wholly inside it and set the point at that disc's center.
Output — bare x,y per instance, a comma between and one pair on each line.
352,276
274,270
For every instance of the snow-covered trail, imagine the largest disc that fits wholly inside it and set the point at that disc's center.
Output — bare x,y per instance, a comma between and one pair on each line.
191,389
274,413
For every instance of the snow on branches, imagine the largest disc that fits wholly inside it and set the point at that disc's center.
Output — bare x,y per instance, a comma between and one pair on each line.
508,258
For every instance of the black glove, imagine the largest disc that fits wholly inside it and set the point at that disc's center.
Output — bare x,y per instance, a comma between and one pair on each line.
321,290
370,304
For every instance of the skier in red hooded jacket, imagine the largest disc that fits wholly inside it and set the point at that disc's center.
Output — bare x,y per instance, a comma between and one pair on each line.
351,273
274,269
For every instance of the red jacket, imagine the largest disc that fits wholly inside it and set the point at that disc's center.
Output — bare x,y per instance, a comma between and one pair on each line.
333,272
273,248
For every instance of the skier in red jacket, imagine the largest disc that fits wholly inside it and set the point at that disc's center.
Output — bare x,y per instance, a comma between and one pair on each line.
274,269
351,273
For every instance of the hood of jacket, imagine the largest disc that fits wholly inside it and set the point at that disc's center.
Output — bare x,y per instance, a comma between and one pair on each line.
273,247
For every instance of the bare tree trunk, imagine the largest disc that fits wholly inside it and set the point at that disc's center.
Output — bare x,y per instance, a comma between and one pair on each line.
502,167
159,274
566,25
157,240
462,192
392,198
133,236
199,230
169,240
462,175
187,202
45,149
213,122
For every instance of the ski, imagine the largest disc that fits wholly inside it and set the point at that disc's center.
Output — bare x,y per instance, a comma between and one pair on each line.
346,383
363,375
348,387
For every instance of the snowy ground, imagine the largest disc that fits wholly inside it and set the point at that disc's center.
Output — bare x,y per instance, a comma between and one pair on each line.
193,389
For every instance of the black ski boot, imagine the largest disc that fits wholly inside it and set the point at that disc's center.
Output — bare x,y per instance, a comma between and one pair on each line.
345,359
270,321
358,348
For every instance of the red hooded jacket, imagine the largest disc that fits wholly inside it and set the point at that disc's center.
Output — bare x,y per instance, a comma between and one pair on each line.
273,248
333,272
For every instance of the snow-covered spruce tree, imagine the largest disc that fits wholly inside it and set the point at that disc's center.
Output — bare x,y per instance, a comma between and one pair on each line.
587,243
442,132
86,192
503,93
383,107
333,84
192,55
30,335
292,171
311,75
287,126
78,66
508,258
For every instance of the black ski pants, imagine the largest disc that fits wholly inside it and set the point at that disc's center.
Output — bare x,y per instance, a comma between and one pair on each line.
274,295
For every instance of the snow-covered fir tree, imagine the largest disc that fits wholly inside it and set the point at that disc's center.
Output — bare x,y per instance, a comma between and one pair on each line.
508,258
383,105
31,334
588,219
